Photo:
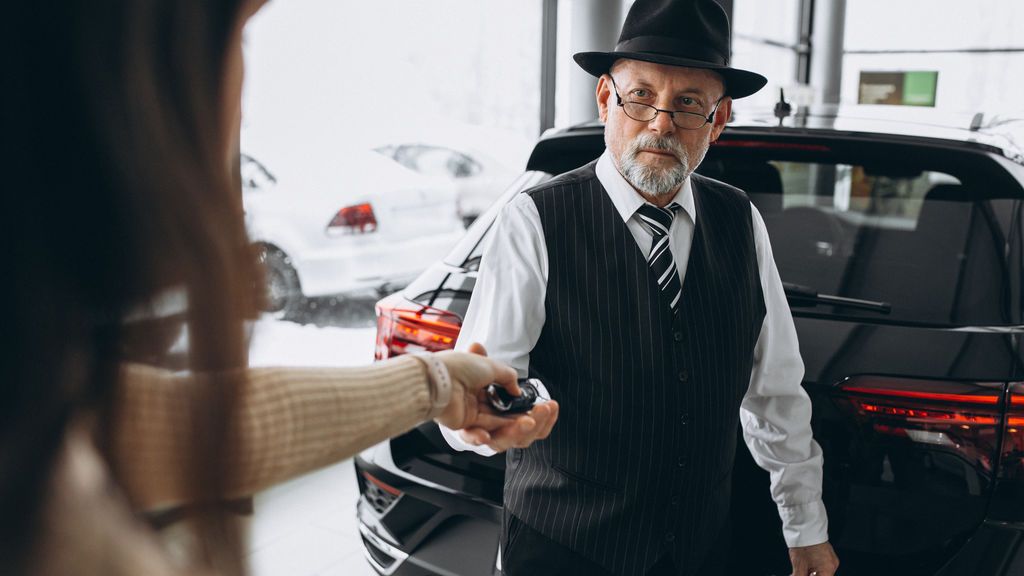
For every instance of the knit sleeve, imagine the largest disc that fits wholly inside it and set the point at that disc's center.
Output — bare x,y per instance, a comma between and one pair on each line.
290,421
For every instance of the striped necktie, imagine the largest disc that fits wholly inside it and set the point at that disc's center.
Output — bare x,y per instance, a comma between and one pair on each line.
659,221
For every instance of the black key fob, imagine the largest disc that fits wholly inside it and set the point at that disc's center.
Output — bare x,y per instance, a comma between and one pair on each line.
506,403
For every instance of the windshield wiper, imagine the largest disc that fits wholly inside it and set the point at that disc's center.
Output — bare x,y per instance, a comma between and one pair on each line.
804,296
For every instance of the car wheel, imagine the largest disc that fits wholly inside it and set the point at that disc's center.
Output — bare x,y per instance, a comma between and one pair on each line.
284,294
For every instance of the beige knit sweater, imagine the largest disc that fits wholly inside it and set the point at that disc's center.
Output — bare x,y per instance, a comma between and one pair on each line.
292,421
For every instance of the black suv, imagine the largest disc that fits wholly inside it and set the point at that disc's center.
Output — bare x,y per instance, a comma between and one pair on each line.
902,251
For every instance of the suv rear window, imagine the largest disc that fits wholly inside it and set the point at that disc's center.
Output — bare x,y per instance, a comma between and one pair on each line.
926,241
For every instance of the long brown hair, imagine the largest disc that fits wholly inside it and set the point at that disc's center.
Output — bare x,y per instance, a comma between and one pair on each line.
116,191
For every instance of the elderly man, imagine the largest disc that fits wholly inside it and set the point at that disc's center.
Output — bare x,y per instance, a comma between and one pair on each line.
646,299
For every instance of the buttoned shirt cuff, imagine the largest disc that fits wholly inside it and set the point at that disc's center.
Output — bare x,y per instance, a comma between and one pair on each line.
457,443
804,524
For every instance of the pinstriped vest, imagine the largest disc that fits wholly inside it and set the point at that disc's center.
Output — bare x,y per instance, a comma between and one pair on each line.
639,463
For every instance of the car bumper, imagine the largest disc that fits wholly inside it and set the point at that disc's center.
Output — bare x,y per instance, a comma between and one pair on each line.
432,529
428,529
464,547
363,264
996,549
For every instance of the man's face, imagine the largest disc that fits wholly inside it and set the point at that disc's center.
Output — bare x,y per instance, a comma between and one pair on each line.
656,156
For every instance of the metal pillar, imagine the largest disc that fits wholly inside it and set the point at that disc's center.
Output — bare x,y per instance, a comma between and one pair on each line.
548,63
826,66
826,73
595,26
803,44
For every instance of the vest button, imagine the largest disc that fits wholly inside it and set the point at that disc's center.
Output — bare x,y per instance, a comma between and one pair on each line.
684,419
681,462
674,501
670,537
684,375
678,336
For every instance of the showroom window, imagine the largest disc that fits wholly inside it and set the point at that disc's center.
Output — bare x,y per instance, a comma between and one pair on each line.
972,53
765,37
373,134
946,58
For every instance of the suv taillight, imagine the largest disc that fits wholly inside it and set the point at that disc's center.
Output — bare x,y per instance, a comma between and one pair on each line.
1013,442
358,219
961,419
404,327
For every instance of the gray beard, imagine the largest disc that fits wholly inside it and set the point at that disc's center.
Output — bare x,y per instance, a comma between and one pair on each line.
653,181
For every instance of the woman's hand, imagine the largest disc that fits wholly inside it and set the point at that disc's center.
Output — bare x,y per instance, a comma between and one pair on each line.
470,410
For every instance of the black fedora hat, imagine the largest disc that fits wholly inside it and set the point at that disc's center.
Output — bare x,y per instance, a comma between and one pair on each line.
690,33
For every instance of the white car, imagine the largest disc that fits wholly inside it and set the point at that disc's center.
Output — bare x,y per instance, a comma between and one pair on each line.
369,226
478,177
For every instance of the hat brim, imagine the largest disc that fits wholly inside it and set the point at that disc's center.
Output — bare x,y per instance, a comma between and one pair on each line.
738,83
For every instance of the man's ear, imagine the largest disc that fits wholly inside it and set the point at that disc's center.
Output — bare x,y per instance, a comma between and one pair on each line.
604,92
722,116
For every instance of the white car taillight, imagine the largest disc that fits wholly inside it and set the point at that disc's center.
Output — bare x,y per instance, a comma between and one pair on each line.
404,327
357,219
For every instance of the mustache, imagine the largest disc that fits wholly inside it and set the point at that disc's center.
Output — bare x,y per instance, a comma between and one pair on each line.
649,179
651,142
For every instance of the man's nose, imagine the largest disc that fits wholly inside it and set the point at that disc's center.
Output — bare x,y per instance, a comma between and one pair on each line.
662,123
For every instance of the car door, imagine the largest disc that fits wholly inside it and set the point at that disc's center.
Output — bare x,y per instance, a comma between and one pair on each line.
908,405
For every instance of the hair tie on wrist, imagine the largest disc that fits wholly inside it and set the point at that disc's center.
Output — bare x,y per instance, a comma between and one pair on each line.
440,383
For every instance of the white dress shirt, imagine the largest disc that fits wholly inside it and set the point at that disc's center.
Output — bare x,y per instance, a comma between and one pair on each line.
506,315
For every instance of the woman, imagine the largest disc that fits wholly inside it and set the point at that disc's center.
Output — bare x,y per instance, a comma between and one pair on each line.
121,123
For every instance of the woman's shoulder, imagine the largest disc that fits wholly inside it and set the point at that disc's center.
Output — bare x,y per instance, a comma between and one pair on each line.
88,527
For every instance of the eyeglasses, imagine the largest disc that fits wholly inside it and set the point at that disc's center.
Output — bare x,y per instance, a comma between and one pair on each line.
681,118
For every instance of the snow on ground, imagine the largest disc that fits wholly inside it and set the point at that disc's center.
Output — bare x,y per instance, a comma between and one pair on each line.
283,343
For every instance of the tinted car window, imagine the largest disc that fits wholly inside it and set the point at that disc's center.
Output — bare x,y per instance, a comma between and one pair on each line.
924,241
255,176
462,166
889,225
433,160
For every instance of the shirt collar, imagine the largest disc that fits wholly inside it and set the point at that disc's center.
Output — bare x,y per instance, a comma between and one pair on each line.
626,199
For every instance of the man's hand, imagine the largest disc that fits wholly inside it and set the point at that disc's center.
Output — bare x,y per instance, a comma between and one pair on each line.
470,410
817,560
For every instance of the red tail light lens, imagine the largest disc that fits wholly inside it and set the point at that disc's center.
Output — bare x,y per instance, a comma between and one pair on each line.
379,494
388,488
1013,441
358,219
959,418
404,327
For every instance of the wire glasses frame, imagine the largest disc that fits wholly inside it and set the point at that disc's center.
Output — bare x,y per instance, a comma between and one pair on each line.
647,113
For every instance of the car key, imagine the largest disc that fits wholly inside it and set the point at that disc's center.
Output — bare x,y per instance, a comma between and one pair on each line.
506,403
